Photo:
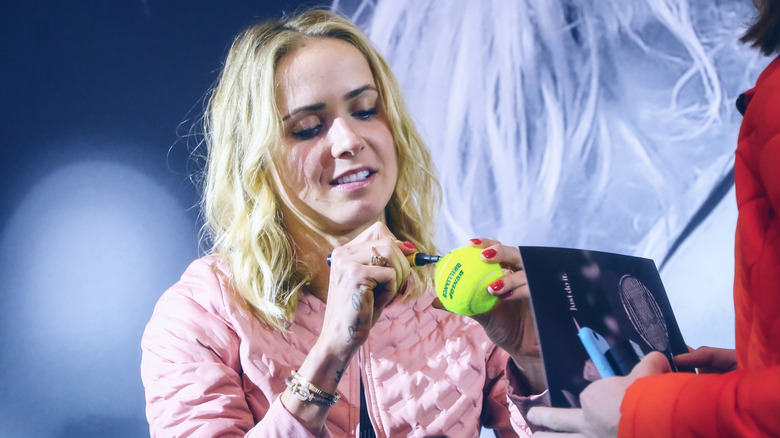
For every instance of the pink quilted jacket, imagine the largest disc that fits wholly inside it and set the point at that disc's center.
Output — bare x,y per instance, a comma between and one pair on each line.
210,369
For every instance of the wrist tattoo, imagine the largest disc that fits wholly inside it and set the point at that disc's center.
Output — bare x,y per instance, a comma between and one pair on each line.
353,329
356,301
339,375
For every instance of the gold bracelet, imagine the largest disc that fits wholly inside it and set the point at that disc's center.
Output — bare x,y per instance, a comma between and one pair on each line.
306,391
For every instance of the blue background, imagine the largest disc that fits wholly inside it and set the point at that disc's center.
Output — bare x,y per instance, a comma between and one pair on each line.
97,211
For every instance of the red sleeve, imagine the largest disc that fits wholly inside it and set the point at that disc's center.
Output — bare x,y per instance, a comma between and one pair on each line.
739,403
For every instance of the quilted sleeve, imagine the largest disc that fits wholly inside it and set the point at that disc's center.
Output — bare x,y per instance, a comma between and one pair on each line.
191,368
507,397
739,403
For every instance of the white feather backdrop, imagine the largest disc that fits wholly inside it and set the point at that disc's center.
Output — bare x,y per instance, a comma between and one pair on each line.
592,124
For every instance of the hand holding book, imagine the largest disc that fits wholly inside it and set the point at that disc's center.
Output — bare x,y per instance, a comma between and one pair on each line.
708,360
601,402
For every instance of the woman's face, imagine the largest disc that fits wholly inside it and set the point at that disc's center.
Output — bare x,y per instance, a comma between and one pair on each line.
337,169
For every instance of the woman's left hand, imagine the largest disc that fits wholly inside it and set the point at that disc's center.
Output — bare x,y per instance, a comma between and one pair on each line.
510,323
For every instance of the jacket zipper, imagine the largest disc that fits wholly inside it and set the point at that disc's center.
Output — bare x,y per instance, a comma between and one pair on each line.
364,377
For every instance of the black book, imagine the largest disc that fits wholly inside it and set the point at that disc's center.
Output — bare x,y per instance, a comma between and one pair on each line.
597,314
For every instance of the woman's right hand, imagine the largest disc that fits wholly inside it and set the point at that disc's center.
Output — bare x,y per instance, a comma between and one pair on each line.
359,290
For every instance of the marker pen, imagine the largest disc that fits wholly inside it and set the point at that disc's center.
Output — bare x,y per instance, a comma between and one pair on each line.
416,259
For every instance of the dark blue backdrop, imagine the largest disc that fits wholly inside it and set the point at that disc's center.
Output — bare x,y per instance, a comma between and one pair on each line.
96,208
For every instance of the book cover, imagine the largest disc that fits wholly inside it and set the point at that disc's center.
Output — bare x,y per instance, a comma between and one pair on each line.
596,315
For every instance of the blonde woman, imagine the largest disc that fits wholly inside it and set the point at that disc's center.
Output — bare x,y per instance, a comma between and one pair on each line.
311,152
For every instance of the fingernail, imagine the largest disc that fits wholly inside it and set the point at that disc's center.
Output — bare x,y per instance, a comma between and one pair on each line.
403,288
489,253
410,245
475,241
497,285
507,294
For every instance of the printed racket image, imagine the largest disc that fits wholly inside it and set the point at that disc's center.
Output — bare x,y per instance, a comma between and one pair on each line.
645,314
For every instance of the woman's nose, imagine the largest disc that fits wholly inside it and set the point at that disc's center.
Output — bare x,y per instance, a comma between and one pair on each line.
344,140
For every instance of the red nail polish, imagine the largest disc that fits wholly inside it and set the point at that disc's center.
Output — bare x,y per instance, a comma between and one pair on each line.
497,285
475,241
403,288
489,253
410,245
507,294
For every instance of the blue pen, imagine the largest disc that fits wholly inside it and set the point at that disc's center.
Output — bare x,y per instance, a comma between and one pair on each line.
597,348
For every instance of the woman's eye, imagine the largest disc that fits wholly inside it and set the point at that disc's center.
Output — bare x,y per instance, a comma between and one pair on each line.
306,133
365,114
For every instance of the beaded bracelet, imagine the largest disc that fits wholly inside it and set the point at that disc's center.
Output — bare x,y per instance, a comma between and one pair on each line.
305,391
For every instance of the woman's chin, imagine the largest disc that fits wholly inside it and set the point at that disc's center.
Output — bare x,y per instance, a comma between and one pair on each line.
357,221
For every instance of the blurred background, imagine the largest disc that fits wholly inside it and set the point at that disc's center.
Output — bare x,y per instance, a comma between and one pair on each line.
98,212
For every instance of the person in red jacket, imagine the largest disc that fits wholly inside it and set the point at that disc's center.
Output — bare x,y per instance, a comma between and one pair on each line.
737,392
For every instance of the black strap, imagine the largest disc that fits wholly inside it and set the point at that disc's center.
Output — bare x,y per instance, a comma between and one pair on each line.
366,430
742,103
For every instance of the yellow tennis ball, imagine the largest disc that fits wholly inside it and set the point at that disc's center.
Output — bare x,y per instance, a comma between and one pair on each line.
461,280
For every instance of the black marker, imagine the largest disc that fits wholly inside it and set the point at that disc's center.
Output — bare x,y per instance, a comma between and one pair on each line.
416,259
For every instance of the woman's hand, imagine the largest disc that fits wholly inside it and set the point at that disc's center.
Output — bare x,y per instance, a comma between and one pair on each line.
510,323
365,276
708,360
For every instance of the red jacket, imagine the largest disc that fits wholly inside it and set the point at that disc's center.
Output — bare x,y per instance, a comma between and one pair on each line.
746,402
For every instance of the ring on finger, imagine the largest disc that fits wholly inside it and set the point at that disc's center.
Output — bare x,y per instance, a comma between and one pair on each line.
376,259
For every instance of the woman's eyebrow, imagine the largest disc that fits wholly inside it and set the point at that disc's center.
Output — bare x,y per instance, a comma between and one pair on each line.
357,92
313,107
320,106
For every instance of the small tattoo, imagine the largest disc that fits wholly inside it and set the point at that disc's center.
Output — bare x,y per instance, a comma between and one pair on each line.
339,375
356,301
353,329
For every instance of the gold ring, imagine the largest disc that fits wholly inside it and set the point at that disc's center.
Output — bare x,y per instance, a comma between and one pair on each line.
376,259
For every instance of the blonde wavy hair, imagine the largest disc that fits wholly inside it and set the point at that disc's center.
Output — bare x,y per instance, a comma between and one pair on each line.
243,132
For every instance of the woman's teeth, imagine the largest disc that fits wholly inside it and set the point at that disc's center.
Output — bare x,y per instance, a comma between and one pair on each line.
363,174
